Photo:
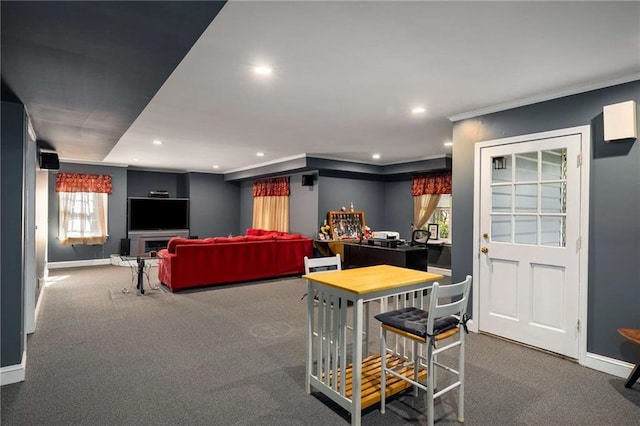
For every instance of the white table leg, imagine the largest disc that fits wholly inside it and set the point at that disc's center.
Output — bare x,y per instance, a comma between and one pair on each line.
356,401
310,313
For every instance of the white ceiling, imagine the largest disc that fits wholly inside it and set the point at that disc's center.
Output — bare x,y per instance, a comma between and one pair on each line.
347,74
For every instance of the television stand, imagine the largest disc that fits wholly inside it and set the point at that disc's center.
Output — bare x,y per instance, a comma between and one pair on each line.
146,241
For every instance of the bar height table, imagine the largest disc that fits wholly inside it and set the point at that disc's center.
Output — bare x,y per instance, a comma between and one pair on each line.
326,367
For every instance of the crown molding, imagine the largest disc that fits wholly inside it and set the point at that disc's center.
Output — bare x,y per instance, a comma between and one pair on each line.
573,90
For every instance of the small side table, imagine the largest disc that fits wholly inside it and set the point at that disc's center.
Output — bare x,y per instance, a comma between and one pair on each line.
140,259
633,335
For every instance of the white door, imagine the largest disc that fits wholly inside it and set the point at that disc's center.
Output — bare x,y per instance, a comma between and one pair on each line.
529,226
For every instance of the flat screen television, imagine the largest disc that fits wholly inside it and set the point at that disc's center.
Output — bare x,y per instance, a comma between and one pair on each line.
147,214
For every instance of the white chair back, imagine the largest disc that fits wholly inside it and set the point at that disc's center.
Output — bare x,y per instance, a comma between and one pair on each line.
322,264
456,298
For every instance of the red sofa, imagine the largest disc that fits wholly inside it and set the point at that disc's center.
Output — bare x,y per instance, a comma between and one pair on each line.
258,255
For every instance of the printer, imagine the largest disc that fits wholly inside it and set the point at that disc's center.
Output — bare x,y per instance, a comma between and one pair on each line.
385,235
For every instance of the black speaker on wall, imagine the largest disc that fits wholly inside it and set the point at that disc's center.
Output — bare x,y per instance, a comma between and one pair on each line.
49,160
125,247
307,180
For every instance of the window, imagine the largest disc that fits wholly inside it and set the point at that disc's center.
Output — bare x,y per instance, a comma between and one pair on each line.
271,204
442,216
83,217
82,208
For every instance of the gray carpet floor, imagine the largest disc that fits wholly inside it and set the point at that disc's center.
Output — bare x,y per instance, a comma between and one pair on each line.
234,355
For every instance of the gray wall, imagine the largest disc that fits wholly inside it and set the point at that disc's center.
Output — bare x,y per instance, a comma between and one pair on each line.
246,205
117,220
303,206
367,196
303,202
614,235
214,205
398,208
140,182
12,232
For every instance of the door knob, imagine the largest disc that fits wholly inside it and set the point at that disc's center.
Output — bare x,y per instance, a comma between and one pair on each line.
484,250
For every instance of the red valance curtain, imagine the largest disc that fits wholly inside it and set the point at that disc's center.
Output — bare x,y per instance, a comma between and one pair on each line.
275,187
431,184
76,182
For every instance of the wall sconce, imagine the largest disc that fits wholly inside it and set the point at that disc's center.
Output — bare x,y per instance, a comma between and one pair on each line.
499,163
620,121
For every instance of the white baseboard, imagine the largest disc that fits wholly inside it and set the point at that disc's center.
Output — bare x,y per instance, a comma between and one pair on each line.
441,271
13,373
78,263
608,365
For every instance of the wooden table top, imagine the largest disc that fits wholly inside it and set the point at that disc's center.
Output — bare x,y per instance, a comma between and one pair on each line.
372,278
632,334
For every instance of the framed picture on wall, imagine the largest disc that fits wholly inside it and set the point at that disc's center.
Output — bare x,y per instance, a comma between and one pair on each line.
433,231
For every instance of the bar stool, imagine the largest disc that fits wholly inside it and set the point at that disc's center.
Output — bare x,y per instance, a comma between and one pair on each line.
447,312
333,263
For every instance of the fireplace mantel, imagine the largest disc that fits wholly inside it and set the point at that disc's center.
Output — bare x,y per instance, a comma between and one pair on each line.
145,241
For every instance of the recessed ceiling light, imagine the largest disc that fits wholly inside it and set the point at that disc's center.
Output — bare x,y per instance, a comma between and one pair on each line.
418,110
215,166
157,142
136,159
376,156
260,154
448,144
263,70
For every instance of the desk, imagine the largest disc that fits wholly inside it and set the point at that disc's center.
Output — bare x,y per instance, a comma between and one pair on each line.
405,256
330,247
335,289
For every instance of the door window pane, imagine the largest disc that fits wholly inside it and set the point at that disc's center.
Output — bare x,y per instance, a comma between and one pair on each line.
526,200
501,198
501,174
554,164
500,229
526,229
527,166
553,198
553,231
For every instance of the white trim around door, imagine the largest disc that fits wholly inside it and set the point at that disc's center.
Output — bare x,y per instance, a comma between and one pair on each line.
585,134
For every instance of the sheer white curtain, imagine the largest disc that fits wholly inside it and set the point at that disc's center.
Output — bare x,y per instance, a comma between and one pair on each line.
271,213
423,208
82,218
271,204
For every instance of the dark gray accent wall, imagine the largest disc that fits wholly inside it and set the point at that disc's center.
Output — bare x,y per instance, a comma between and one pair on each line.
398,208
367,196
214,205
246,205
140,182
303,206
614,235
117,216
303,202
11,233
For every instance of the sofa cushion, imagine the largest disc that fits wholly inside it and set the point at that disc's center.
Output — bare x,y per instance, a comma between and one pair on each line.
258,238
239,238
176,241
256,232
285,236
